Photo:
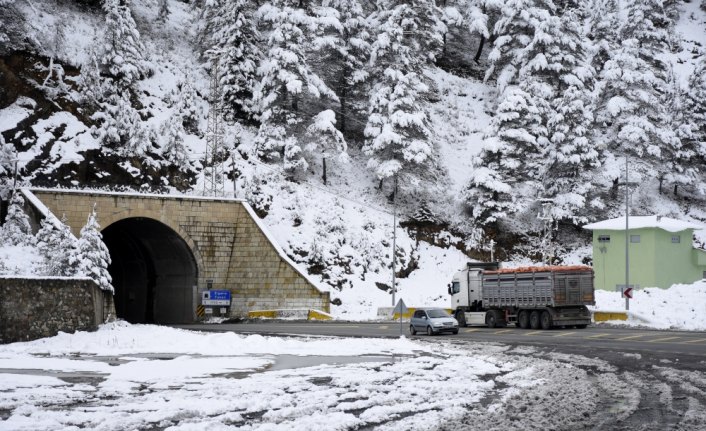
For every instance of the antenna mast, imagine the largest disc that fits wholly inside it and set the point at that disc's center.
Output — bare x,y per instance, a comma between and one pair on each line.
213,163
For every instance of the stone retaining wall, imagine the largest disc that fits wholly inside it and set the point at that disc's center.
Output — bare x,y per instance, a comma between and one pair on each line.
41,307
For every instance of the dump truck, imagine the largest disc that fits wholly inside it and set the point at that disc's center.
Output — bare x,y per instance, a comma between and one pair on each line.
530,297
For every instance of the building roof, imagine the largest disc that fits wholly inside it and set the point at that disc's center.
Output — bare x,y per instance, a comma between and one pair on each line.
642,222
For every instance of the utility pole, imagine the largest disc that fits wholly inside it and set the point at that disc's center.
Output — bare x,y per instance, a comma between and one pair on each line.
235,180
548,218
213,166
14,180
394,242
627,231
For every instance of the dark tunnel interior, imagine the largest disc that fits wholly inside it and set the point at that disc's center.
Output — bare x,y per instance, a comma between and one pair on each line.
153,270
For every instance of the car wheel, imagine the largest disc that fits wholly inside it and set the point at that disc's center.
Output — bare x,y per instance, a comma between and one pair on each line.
430,331
455,331
491,320
546,320
523,320
461,318
412,330
534,320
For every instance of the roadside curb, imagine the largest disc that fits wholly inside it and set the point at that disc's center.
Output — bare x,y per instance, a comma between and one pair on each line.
605,316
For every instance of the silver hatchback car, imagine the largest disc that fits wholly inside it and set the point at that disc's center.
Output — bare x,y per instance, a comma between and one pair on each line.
432,321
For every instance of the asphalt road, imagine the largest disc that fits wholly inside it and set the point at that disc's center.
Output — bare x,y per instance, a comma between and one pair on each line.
689,347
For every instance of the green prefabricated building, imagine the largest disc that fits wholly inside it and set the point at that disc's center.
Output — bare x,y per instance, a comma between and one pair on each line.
661,252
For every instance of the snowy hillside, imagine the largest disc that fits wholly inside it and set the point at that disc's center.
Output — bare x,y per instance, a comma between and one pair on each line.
333,115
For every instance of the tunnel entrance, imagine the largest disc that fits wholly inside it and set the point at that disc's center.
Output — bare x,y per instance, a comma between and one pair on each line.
153,272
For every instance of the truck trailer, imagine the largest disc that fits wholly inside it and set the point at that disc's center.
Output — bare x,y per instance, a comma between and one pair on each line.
530,297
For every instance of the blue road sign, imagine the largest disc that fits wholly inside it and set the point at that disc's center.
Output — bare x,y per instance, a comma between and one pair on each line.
219,295
215,297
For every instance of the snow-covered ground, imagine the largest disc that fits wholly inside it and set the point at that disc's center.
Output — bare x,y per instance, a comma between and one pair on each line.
682,306
138,376
125,377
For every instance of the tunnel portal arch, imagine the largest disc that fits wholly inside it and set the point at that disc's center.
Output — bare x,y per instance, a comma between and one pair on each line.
154,271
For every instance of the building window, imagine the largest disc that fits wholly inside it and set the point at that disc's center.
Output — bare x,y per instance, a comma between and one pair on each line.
634,238
676,239
603,238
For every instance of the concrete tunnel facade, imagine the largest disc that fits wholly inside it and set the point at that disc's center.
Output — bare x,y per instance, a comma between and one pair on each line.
167,249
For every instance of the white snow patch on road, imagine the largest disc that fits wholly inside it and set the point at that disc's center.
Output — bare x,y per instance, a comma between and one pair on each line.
140,376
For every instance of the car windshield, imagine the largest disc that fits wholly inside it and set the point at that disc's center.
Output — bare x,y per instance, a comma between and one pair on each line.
437,313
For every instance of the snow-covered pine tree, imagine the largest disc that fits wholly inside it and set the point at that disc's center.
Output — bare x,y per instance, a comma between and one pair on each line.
326,139
399,142
121,126
630,110
499,185
344,52
478,21
172,137
603,31
648,22
91,84
16,230
229,35
186,105
682,156
7,157
285,78
239,56
694,108
123,51
59,248
556,69
163,11
633,88
93,255
513,31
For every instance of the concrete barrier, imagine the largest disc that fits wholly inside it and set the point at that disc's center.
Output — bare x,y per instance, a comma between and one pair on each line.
294,314
385,313
605,316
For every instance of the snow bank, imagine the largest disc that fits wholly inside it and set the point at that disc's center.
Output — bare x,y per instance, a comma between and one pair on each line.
682,306
122,338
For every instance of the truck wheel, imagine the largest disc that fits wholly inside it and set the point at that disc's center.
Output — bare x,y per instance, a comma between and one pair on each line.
412,330
430,331
491,320
534,320
461,318
546,320
523,320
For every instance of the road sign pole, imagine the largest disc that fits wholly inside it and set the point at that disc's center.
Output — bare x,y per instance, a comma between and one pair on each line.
399,308
627,233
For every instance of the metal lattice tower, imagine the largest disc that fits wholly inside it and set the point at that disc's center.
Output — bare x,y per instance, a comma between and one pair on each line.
213,163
